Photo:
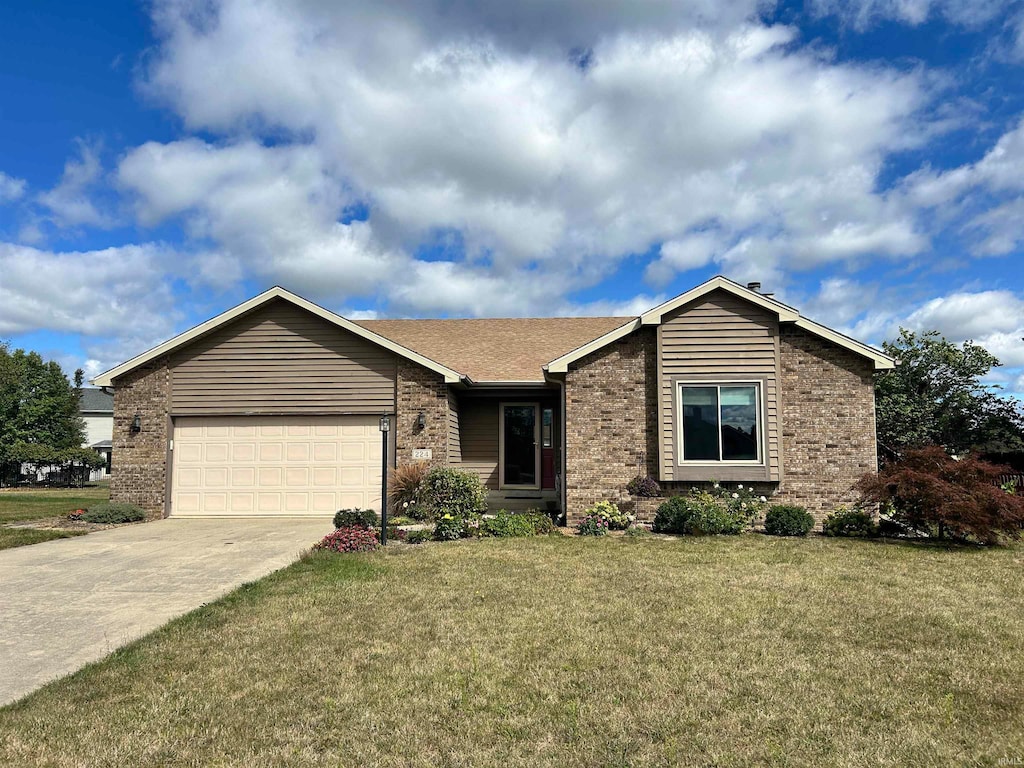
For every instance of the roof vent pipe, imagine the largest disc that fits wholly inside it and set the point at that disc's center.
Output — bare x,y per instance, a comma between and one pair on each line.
754,286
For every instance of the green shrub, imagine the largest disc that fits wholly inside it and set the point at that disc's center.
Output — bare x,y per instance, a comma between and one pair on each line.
454,492
111,512
541,521
849,522
672,516
710,517
367,518
450,528
788,520
506,525
610,513
417,537
637,532
705,512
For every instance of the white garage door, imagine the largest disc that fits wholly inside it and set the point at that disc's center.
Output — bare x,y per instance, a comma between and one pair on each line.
273,465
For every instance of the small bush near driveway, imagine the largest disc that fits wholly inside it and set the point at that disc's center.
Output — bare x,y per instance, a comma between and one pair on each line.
787,520
364,517
112,513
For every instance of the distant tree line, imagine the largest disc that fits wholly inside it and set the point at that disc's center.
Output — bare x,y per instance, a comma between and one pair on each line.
40,423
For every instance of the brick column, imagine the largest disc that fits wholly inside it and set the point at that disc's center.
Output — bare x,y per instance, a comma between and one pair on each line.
140,458
421,390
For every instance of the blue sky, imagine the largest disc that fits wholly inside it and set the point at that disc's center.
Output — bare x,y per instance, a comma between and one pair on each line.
160,162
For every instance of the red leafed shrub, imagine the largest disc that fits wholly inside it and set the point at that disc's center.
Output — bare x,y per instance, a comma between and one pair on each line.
351,538
928,490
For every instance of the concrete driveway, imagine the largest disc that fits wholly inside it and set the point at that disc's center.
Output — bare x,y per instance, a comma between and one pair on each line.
68,602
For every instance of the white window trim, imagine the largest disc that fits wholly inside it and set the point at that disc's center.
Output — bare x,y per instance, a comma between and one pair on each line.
681,459
502,485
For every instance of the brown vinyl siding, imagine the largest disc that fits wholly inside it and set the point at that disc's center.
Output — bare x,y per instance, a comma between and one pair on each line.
718,337
454,440
281,359
478,432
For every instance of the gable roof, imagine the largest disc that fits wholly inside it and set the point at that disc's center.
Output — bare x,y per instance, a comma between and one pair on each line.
106,379
496,349
95,401
784,312
506,350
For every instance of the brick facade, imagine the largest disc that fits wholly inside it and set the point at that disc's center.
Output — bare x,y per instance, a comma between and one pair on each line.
827,417
828,421
420,390
611,426
140,458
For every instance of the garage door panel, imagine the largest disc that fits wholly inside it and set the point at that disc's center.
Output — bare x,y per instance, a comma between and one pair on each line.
274,465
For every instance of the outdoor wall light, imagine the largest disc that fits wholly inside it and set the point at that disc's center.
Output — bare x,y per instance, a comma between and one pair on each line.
385,423
137,423
421,422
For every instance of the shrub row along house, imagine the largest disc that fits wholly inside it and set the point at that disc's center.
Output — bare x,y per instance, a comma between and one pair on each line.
272,407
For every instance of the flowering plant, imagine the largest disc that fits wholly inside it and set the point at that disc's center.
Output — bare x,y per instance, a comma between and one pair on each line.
614,519
592,525
350,538
76,514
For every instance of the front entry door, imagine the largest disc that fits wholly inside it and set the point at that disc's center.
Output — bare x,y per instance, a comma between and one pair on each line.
520,449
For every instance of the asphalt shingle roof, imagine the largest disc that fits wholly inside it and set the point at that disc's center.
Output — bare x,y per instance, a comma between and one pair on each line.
95,401
502,349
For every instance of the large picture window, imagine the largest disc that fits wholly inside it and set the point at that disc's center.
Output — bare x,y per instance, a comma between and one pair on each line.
720,422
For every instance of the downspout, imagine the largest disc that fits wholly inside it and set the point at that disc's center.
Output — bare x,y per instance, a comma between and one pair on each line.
563,497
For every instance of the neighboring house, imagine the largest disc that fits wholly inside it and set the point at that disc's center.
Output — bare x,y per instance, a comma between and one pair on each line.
97,410
272,408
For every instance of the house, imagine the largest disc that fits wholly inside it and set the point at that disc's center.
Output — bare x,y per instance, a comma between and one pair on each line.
273,407
96,408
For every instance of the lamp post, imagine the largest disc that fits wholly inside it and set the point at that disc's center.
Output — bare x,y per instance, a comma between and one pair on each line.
385,427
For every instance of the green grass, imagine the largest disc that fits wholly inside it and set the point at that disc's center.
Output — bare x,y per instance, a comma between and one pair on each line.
20,537
21,505
728,651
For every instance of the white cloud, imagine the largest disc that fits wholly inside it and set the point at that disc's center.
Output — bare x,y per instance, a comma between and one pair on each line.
10,188
476,119
118,297
71,202
865,13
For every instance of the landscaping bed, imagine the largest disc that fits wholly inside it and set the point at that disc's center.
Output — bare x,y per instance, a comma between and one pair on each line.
34,515
568,651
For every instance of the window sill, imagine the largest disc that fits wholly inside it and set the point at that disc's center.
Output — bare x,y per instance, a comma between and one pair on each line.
758,473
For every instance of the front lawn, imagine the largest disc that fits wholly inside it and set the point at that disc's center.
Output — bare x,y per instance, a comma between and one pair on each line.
21,504
568,652
49,507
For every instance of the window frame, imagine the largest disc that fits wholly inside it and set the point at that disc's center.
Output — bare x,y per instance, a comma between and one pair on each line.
759,405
